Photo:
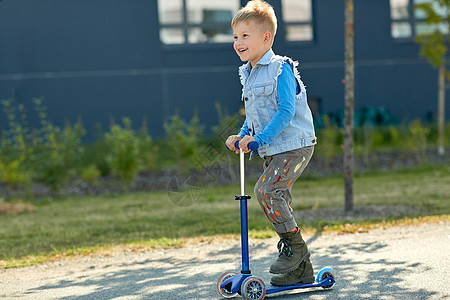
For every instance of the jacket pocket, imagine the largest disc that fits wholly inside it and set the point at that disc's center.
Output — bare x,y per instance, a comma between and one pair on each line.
264,89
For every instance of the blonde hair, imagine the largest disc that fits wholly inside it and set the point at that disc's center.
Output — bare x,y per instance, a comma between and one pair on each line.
261,13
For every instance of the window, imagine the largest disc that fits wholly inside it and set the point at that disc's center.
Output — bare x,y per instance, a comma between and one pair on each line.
407,21
297,17
196,21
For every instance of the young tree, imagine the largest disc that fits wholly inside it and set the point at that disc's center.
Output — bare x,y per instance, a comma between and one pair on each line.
349,105
434,46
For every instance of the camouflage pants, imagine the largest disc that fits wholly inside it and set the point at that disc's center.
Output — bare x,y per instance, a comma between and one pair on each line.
273,189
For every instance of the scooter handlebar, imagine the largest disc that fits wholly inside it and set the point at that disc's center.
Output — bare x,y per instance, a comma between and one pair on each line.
252,145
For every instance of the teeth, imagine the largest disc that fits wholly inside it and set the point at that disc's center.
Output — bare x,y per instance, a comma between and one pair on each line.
242,50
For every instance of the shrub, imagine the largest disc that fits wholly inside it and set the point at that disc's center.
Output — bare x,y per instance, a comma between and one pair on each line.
47,154
183,142
90,174
12,173
228,124
146,148
14,148
417,139
215,153
367,140
327,139
56,154
123,151
396,135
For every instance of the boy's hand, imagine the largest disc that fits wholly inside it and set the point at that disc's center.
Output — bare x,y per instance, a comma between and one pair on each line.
243,143
231,141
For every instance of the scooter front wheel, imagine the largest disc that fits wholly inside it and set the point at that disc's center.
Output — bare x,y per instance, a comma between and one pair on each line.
225,292
253,288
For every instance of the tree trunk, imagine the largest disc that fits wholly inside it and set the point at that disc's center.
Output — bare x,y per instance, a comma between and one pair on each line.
441,110
349,105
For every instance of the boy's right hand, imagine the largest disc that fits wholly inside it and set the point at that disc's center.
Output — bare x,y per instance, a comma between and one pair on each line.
231,141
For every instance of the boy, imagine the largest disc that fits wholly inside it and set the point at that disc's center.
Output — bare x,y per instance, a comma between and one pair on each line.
279,120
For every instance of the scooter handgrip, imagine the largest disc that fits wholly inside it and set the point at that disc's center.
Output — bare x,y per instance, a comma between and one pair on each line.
236,146
252,145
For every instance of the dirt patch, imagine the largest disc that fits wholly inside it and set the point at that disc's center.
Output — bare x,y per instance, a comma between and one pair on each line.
15,208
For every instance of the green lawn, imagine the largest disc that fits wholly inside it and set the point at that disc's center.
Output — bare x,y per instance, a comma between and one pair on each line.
87,224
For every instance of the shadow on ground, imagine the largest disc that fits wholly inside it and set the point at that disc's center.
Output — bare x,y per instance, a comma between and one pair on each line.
358,272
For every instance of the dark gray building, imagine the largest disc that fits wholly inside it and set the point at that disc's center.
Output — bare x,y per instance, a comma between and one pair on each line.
98,59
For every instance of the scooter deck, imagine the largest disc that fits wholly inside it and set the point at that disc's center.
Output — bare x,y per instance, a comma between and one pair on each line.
271,289
236,280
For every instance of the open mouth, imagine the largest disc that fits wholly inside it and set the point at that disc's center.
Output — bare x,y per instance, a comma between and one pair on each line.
242,50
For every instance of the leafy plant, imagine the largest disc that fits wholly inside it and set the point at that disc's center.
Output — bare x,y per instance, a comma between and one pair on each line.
13,147
90,174
228,124
12,173
327,139
183,142
123,155
146,148
56,154
47,154
434,46
417,139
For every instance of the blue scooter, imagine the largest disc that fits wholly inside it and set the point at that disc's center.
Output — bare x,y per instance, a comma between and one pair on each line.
244,283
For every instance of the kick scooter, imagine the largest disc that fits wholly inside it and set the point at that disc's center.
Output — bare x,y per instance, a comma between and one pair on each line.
244,283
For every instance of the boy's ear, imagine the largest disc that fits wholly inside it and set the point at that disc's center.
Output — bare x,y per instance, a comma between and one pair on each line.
267,36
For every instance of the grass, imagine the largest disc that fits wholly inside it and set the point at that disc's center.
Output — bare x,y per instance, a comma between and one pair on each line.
426,188
135,222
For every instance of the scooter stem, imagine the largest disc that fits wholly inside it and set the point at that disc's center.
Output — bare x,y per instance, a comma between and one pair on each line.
242,158
244,219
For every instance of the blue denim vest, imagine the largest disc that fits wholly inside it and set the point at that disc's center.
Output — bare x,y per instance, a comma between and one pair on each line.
260,95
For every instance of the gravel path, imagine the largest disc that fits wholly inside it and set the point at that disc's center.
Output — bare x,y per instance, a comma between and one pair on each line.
410,262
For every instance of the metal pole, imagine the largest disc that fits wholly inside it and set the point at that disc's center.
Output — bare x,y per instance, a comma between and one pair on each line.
242,158
244,219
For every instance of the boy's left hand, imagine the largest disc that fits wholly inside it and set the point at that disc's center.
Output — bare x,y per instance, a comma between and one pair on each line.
243,143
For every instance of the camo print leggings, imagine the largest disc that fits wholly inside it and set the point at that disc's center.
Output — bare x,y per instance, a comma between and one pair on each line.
273,188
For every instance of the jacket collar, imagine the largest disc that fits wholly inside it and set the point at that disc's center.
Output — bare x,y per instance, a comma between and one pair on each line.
265,60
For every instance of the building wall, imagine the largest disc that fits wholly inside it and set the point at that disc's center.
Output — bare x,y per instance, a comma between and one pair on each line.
102,59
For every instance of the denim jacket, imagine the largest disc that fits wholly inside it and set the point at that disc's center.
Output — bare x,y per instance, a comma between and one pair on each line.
260,96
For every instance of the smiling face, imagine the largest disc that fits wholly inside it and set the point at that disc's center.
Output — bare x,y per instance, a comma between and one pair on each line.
250,41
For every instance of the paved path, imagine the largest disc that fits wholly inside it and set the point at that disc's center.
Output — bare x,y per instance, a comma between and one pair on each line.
396,263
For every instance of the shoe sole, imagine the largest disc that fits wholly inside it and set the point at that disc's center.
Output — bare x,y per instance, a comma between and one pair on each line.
305,280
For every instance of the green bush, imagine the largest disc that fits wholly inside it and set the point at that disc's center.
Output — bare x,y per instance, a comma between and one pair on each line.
47,154
95,153
417,139
328,142
14,147
56,154
369,139
183,142
123,151
146,148
12,173
228,124
90,174
396,136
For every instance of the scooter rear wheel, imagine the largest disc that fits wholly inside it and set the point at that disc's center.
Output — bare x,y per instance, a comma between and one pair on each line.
325,276
225,292
253,288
